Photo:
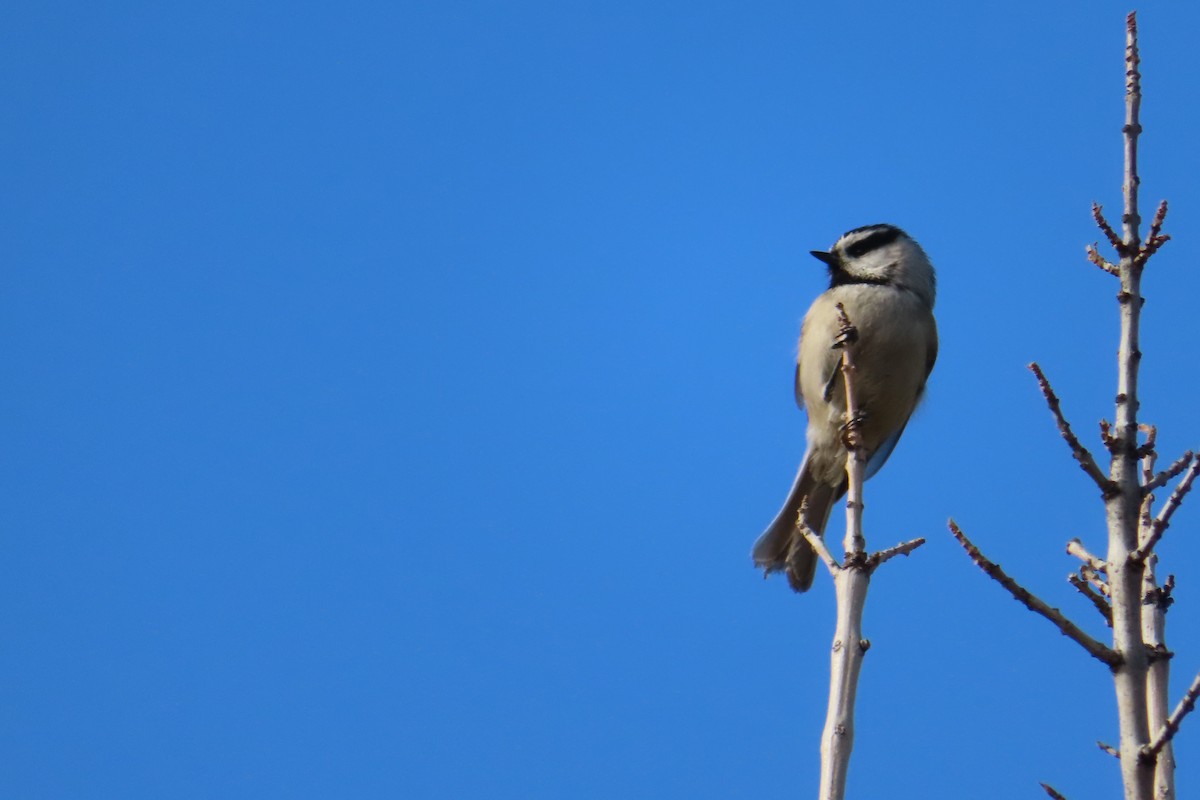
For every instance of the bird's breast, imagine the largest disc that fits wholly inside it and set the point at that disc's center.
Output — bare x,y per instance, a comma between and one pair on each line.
891,354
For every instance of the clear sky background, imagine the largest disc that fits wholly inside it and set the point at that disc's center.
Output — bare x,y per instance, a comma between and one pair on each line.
393,391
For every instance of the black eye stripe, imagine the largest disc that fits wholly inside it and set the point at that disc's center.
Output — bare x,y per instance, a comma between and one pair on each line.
879,238
840,278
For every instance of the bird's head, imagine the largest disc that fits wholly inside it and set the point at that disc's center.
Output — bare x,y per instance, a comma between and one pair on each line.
880,254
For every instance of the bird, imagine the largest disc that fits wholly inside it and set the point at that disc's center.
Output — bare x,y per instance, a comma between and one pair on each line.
887,285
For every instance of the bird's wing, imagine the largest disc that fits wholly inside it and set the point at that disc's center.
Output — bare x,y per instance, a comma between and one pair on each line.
830,384
931,349
931,352
882,453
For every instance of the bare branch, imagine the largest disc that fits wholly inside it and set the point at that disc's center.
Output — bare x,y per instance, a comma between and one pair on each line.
856,454
1035,604
1091,594
1185,707
1123,508
1100,261
1111,443
1160,480
1152,245
1160,216
1130,218
1050,791
1155,602
1145,518
1086,462
1177,495
1147,447
815,540
1096,579
1163,520
1158,652
1160,596
1149,458
1076,548
1108,748
1107,230
902,549
850,586
1156,237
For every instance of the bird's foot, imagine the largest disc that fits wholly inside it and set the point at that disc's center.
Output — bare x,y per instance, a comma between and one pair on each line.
852,429
847,333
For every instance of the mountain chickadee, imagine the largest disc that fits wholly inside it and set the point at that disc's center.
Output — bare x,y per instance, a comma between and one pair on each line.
886,284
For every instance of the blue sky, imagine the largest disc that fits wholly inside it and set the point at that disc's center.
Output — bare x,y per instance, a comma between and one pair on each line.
393,391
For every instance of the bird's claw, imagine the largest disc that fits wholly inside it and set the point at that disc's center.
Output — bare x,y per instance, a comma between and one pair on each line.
850,430
847,334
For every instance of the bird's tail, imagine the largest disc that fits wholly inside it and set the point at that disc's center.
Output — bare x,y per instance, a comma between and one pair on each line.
782,548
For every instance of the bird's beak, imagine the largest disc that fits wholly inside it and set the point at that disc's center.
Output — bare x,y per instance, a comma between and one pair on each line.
830,259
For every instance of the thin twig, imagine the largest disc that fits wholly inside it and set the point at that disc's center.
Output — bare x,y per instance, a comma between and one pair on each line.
1147,447
1185,707
1091,594
816,541
1161,596
1160,216
1160,480
856,455
1086,462
1156,238
1035,604
1111,443
1100,261
1177,495
1051,791
1075,547
1107,230
1149,458
1163,520
1096,579
902,549
1108,748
